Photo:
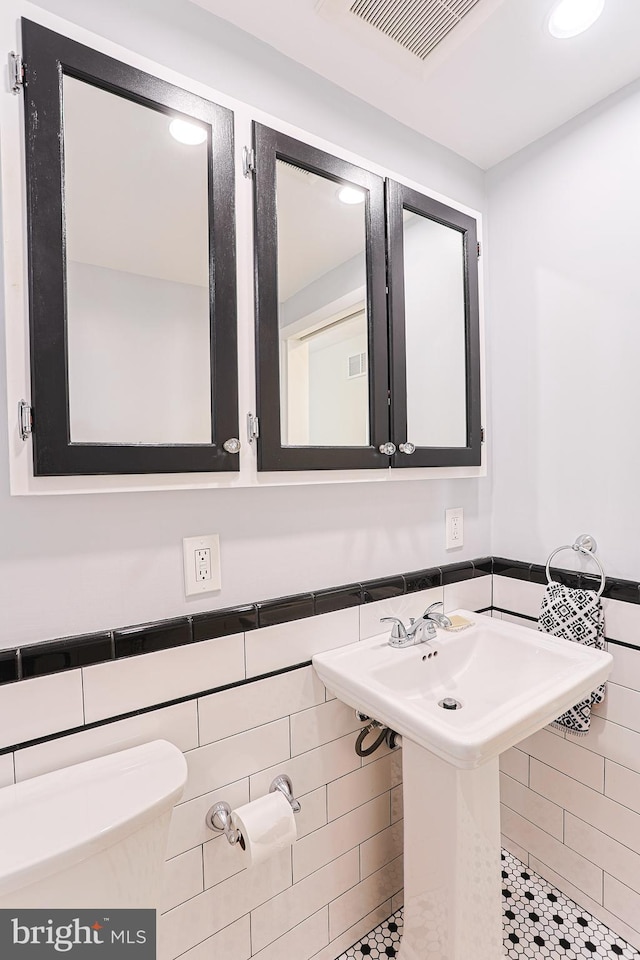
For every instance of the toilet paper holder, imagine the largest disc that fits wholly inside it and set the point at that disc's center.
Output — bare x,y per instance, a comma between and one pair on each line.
218,817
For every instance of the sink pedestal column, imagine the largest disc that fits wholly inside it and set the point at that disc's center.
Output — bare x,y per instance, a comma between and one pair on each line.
452,887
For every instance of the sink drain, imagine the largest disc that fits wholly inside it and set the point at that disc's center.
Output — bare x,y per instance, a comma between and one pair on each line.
450,704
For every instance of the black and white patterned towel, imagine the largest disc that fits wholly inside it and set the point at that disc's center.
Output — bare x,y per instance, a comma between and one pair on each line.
574,615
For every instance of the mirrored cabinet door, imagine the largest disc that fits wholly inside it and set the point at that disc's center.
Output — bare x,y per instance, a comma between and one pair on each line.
321,309
132,272
434,332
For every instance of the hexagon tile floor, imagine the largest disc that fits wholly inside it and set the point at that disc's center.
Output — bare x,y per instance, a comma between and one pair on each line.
539,922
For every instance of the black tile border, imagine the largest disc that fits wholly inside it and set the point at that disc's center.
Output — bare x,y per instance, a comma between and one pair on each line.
60,734
526,616
222,623
213,690
40,659
69,653
338,598
383,589
423,579
9,666
615,589
296,607
151,637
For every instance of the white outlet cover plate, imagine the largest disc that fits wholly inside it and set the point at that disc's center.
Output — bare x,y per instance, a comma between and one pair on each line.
193,587
454,524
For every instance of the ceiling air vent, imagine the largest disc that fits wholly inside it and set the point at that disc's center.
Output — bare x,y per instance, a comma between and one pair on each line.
417,25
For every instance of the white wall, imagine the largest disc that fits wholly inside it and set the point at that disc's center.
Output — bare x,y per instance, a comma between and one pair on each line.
78,563
338,405
435,334
139,349
565,339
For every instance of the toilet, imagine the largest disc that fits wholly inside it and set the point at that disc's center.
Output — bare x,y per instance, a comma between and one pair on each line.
91,835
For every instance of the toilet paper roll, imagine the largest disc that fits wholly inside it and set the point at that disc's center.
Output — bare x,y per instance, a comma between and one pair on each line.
267,826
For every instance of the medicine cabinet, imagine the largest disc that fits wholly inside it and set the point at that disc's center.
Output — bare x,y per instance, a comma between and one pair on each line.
130,211
366,292
367,317
320,303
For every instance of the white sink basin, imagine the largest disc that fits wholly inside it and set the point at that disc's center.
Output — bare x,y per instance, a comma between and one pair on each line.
510,680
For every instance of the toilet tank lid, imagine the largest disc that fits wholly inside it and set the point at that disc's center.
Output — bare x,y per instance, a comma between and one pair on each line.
50,822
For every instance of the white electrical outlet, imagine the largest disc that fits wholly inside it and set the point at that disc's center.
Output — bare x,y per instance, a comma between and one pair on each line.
201,557
454,527
203,565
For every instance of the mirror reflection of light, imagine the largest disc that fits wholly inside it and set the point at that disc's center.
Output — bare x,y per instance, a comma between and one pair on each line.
571,17
185,132
350,195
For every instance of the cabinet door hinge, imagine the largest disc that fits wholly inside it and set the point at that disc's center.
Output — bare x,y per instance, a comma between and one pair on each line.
248,161
482,435
253,427
16,72
25,420
479,249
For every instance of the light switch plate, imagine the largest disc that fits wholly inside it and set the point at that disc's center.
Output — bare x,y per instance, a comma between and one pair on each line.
201,558
454,524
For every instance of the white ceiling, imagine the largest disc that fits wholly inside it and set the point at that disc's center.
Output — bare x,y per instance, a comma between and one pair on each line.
498,82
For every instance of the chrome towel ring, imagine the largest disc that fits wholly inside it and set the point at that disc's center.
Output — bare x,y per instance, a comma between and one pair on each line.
587,546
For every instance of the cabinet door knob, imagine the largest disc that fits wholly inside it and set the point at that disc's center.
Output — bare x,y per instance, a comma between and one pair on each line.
388,449
232,445
407,448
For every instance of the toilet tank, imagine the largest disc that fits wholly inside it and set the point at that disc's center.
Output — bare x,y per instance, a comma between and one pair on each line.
91,835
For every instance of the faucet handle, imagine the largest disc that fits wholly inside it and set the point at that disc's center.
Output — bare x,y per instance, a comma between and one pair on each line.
438,603
441,619
398,631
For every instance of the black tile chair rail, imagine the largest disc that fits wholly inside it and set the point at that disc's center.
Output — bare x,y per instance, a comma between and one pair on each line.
423,580
70,653
222,623
152,637
466,570
66,654
338,598
284,609
614,589
383,589
9,670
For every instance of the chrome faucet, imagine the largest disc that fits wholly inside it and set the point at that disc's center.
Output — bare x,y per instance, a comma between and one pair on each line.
418,631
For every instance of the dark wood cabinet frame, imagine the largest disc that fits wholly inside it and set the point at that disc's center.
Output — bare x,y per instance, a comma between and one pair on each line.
48,57
401,198
386,316
270,146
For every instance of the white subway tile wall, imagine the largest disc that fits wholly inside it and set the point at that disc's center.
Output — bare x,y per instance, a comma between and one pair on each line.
517,596
273,648
177,724
571,807
338,880
6,770
36,708
472,594
409,605
122,686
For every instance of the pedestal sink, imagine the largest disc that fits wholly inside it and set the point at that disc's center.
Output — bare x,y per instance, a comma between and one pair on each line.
459,701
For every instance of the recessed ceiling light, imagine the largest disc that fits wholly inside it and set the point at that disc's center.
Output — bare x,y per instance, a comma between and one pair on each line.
350,195
185,132
571,17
